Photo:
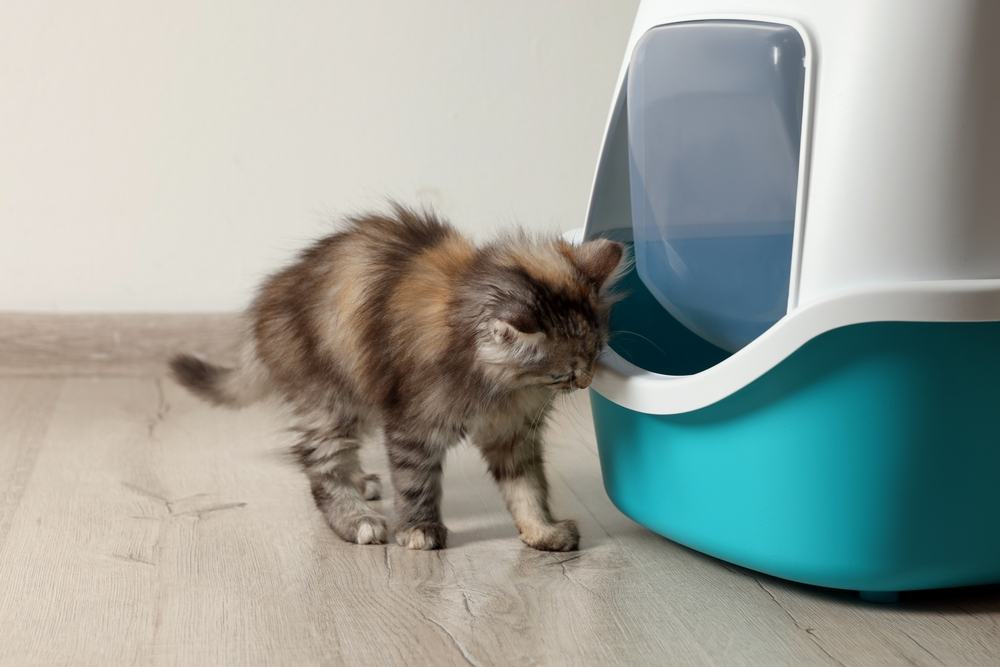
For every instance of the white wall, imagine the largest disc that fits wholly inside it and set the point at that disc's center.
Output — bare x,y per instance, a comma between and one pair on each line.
164,156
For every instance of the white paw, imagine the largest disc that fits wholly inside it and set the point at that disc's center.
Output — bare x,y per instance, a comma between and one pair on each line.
559,536
424,536
371,530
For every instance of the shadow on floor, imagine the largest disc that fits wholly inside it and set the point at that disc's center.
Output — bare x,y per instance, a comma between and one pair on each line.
969,600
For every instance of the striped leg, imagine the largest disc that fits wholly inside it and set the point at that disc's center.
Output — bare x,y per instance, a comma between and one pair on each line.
329,457
515,462
415,467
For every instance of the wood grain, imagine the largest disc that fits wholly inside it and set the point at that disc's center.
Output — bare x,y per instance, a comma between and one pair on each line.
139,526
130,344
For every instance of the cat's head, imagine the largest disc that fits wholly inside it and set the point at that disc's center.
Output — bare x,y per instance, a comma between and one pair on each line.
544,310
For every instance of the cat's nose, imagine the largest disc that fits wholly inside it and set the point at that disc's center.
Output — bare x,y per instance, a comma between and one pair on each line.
581,379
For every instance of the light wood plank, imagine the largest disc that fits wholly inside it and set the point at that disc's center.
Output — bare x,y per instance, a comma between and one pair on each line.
25,409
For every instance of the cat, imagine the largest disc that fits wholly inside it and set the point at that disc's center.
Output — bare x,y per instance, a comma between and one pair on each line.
398,323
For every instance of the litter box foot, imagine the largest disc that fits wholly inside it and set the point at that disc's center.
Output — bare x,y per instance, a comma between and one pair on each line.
881,597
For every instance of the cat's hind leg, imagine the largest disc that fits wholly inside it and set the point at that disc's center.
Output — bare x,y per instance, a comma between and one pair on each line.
327,448
415,464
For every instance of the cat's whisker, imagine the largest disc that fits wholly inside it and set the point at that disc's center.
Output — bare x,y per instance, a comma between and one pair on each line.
536,422
639,335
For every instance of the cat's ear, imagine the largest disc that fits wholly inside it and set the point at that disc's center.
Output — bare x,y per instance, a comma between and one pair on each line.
503,332
511,328
599,260
505,343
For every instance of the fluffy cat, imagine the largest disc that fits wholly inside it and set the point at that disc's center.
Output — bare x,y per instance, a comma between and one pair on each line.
399,323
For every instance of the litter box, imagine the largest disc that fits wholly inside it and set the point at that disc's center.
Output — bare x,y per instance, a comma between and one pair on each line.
804,376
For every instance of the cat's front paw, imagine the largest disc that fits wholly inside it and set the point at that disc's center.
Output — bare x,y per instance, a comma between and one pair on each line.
423,536
559,536
366,529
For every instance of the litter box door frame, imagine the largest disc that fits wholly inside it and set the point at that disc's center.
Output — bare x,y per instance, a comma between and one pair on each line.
610,196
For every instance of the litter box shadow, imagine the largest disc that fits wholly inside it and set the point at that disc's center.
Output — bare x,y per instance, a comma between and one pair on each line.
960,601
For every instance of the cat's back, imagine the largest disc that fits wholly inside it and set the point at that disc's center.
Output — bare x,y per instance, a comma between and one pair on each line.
397,235
357,298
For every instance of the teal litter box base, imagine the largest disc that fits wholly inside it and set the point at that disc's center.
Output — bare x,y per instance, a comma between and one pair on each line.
867,460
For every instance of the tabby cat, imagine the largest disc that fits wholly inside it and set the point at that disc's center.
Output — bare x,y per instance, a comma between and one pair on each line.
397,323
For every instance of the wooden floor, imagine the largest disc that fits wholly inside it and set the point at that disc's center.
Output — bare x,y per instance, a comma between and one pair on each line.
140,526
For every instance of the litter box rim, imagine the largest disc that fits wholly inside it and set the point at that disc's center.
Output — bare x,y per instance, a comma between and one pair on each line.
641,390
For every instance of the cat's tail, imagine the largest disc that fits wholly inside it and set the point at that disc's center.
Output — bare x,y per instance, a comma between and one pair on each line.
231,387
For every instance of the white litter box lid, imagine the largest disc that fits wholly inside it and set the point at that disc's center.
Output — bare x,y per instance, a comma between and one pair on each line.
896,207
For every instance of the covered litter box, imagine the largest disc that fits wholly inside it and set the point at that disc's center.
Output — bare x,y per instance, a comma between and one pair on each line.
804,378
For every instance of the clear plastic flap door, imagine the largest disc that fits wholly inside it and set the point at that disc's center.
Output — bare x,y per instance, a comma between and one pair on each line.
714,123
